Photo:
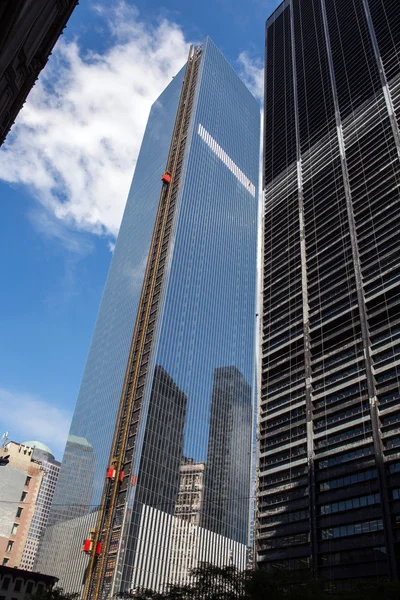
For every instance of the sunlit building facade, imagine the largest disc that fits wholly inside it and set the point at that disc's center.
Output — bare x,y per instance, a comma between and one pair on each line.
28,477
328,456
178,308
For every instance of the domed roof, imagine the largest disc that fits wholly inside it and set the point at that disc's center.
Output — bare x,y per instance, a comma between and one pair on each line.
38,445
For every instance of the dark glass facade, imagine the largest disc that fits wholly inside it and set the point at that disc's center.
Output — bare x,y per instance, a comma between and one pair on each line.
184,372
330,398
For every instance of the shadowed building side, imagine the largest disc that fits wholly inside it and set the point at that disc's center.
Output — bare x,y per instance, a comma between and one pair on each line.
328,483
29,29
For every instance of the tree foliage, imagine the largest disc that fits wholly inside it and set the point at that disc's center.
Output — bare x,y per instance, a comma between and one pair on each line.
209,582
54,594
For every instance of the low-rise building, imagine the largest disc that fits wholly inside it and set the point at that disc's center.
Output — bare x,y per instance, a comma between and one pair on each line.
16,584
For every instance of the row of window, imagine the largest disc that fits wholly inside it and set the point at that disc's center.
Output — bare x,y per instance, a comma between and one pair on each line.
363,429
352,529
348,480
359,502
288,540
351,556
337,459
18,585
286,517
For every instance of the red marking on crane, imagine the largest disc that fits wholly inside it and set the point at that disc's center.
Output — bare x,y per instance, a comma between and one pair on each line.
110,473
99,547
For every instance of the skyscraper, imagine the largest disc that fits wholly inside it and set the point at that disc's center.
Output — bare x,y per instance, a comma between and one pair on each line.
178,304
328,484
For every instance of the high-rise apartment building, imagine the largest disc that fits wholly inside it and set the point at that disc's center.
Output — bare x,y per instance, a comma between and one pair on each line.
28,476
29,30
329,449
175,327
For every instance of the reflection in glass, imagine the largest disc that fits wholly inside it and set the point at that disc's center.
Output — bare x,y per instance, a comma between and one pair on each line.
226,495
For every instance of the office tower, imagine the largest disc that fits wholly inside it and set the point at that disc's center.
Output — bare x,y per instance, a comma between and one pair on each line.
28,33
179,303
328,484
28,475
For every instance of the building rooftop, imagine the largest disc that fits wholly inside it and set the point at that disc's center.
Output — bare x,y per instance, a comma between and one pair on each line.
38,446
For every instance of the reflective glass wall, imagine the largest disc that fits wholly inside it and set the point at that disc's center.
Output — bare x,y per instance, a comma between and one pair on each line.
191,499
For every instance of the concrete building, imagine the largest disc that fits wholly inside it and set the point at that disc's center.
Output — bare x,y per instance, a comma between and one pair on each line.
29,30
28,474
17,584
178,305
329,436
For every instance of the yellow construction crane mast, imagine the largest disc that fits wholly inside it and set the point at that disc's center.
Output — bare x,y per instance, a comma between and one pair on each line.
104,541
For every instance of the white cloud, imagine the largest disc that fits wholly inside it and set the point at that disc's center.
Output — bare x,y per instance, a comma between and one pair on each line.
27,417
76,140
252,73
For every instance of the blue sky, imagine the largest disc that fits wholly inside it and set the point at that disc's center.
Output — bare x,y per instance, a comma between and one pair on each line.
65,171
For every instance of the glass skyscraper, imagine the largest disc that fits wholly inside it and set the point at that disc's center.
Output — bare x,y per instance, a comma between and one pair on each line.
328,456
166,401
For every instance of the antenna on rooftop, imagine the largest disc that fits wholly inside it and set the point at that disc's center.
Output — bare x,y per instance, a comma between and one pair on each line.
4,440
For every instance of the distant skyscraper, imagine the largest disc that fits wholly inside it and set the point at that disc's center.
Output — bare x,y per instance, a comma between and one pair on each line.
28,475
51,468
178,306
28,33
329,462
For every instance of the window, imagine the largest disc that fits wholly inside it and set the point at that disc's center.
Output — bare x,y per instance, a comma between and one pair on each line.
5,561
18,585
6,582
40,588
14,529
19,512
350,504
9,546
29,587
23,496
353,529
27,480
340,458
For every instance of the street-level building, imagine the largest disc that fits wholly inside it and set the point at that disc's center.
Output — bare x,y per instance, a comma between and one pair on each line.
17,584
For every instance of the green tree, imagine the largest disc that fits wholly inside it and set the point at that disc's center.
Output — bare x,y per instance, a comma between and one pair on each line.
53,594
209,582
